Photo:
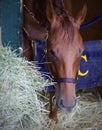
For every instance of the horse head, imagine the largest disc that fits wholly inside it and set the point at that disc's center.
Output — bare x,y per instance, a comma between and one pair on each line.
65,46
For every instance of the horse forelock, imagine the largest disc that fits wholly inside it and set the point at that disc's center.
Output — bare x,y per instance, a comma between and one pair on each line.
65,24
67,28
59,8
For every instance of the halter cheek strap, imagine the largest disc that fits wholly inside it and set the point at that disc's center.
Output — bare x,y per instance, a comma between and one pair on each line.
65,80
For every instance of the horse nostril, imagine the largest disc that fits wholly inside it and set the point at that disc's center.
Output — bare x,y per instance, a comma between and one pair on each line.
60,103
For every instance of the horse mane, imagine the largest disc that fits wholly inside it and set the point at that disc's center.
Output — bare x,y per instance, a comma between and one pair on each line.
68,29
66,24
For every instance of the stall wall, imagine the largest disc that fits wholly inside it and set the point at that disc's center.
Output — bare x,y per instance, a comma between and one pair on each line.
11,23
94,10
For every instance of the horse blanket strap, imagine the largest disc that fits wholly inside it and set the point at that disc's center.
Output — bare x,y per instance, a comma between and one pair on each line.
65,80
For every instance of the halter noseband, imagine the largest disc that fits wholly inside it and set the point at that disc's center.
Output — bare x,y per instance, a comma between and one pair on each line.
65,80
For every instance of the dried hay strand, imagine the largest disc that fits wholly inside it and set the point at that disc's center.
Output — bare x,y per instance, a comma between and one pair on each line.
86,116
20,105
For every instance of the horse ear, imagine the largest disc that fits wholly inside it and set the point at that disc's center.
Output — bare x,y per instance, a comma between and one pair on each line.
50,12
81,15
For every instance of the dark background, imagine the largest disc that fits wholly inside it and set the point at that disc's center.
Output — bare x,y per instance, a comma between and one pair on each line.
94,10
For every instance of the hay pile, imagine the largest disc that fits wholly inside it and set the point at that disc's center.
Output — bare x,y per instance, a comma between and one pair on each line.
86,116
23,108
20,105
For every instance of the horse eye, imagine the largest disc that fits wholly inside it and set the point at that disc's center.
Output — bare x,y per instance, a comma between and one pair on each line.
52,53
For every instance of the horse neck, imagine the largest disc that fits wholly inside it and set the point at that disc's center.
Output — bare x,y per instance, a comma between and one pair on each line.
40,11
29,4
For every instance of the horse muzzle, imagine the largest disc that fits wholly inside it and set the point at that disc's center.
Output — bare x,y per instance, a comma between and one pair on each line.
65,99
64,107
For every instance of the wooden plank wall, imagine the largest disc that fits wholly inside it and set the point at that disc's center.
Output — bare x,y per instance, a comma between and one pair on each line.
11,23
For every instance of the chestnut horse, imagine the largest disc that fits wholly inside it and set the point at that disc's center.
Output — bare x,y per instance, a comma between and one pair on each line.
32,30
64,47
